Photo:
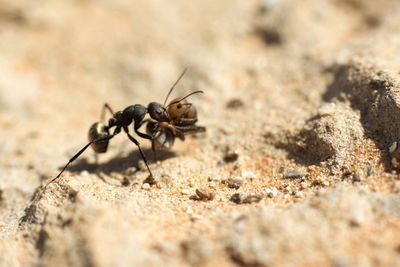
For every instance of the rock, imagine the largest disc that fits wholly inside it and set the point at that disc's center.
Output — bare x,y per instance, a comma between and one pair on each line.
332,137
271,192
203,195
125,181
252,199
296,173
246,174
231,156
393,147
185,192
375,93
235,103
146,186
236,198
241,199
233,183
326,109
142,165
131,170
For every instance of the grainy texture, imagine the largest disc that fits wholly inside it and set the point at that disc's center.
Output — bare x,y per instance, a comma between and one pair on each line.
301,105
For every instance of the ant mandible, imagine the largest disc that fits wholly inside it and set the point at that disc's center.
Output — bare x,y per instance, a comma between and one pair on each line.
99,133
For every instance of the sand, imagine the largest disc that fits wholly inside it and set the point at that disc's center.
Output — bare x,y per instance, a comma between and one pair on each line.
299,165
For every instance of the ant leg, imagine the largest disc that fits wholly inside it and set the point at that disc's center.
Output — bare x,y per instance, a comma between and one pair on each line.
153,148
186,121
103,111
81,151
191,129
106,107
143,135
140,150
146,136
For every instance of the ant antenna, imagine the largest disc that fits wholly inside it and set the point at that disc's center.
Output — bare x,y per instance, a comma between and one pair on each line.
183,98
173,86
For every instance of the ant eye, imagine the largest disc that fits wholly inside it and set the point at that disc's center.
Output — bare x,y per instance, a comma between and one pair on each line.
179,106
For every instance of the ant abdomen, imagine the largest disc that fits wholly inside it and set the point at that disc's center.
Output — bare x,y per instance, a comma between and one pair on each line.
96,131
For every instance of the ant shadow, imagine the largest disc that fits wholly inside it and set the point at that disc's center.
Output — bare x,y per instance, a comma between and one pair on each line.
119,163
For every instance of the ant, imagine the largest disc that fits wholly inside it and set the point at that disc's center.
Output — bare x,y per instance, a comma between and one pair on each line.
182,118
100,134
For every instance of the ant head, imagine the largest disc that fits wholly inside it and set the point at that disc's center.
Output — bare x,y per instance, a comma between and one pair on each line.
158,112
177,110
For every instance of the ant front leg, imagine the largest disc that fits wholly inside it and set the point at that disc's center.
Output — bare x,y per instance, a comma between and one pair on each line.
140,150
146,136
191,129
143,135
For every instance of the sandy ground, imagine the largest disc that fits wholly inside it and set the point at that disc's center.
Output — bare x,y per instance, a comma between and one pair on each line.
302,109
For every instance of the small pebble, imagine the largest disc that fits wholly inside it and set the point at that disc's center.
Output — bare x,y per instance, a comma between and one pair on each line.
239,199
146,186
326,109
72,194
212,185
370,170
131,170
185,192
234,103
395,163
303,185
298,194
393,147
203,195
233,183
290,174
271,192
396,187
286,188
236,198
150,180
214,179
142,165
357,177
252,199
125,181
248,174
320,182
116,175
325,183
189,211
84,173
231,156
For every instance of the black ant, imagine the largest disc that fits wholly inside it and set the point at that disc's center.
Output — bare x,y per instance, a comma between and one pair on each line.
100,135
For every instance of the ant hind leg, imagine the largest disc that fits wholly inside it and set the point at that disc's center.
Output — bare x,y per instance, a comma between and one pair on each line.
106,107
